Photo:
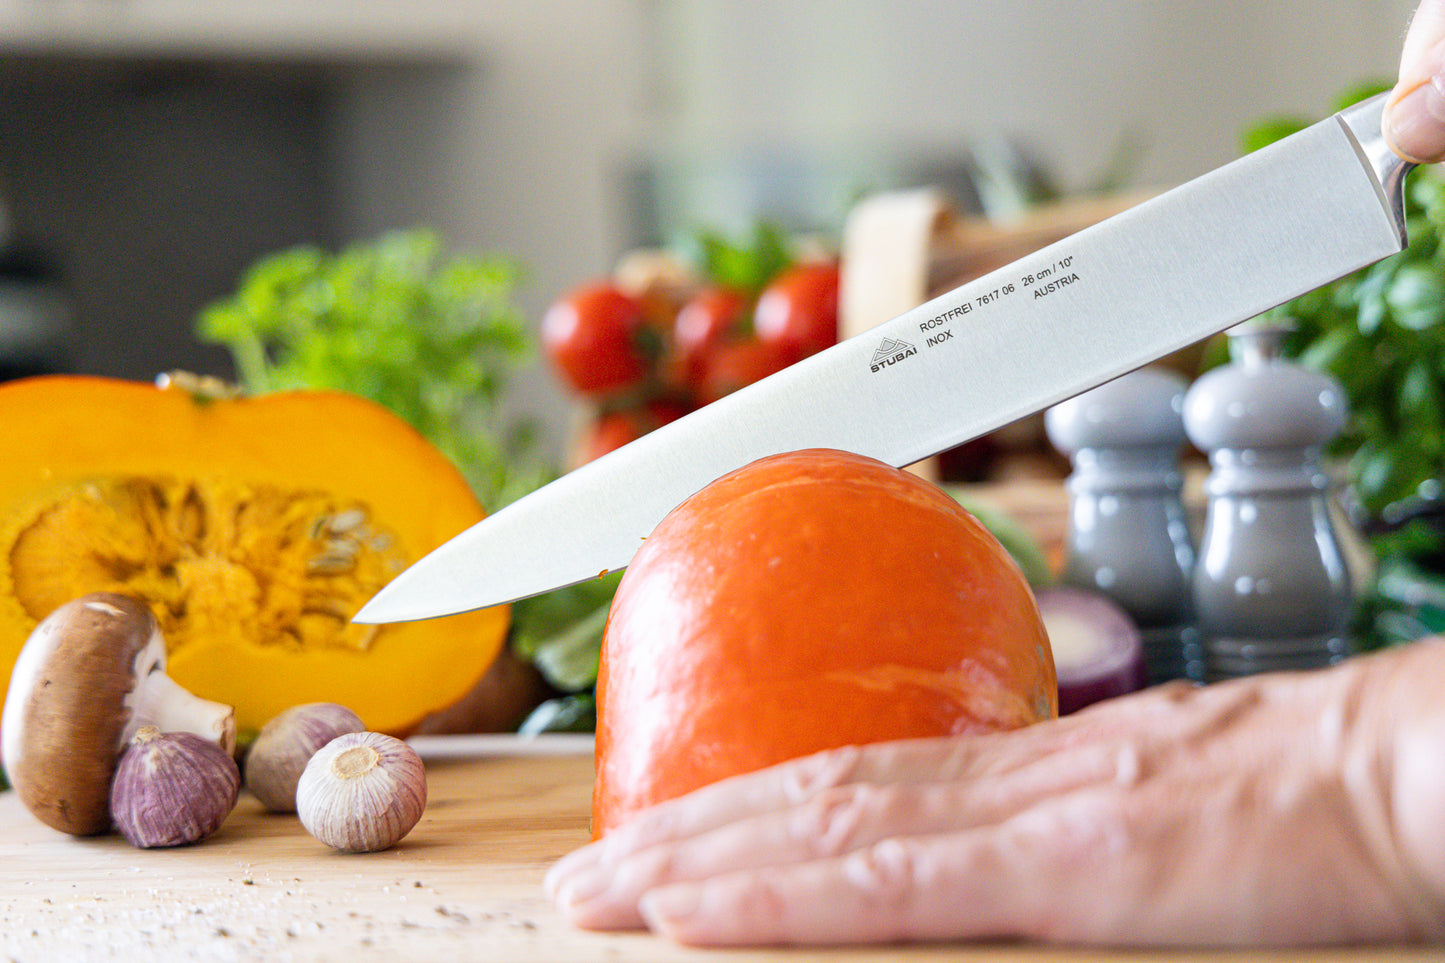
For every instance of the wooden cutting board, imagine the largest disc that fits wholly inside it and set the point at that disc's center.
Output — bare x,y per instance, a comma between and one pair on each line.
465,885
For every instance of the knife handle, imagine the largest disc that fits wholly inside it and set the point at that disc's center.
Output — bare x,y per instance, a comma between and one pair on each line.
1363,124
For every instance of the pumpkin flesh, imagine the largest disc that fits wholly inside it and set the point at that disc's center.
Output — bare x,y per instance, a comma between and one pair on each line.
254,528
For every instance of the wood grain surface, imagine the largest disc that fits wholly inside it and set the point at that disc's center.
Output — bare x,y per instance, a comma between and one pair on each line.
465,885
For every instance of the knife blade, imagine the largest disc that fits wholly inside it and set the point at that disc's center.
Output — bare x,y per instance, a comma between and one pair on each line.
1155,278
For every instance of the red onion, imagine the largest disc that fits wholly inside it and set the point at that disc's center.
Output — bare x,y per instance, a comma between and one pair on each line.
1098,651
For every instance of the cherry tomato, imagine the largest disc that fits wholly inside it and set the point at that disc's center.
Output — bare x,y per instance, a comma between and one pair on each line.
799,308
731,365
596,339
704,321
613,429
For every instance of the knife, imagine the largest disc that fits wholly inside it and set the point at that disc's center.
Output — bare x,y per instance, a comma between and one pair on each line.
1155,278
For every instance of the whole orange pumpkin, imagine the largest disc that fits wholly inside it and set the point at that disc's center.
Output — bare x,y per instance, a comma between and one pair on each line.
806,601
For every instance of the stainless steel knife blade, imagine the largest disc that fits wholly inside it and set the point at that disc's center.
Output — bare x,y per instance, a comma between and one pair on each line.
1160,276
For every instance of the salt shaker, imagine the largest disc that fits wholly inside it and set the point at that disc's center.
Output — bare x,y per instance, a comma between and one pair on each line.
1128,532
1272,587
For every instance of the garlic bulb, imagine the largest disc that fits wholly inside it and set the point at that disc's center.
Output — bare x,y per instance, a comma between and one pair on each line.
285,744
172,788
361,792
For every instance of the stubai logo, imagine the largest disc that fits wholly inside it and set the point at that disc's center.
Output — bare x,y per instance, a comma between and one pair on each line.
891,352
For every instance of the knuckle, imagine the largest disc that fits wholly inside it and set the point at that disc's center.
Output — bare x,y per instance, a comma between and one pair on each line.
842,819
885,874
815,774
1176,691
1130,766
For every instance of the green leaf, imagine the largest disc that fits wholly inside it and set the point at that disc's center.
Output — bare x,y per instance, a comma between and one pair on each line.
745,265
433,337
569,658
1389,470
1417,296
1268,131
1334,351
1418,389
570,713
1363,90
1378,332
561,632
1373,313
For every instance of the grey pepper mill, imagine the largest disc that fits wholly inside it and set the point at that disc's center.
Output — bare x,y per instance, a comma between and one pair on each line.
1272,587
1128,533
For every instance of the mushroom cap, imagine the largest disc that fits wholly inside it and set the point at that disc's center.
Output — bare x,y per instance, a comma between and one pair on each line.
67,713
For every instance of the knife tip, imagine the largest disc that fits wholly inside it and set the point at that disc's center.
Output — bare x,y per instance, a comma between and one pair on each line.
388,606
398,603
371,613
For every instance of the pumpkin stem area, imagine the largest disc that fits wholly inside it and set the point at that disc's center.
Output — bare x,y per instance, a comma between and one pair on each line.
203,388
259,564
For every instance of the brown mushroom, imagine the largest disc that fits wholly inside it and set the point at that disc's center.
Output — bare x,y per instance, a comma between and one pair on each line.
90,675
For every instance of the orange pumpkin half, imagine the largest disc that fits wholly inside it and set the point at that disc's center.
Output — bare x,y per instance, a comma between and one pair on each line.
806,601
253,527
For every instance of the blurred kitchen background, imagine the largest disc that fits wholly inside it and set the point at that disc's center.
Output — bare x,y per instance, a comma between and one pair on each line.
151,149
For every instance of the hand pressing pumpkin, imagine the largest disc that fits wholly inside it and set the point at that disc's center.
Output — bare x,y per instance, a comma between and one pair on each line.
809,600
1285,810
252,527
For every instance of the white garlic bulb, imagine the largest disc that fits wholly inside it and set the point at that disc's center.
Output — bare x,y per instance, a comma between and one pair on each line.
286,743
362,792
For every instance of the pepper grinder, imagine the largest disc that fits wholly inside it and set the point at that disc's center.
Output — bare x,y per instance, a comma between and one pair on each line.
1272,588
1128,532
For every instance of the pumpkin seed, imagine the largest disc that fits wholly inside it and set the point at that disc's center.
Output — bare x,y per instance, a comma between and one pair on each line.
341,546
267,565
330,563
346,522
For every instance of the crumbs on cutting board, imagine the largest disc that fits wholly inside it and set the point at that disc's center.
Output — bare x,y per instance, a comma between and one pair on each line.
254,916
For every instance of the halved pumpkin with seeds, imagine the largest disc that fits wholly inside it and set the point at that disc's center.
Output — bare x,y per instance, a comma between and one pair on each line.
253,527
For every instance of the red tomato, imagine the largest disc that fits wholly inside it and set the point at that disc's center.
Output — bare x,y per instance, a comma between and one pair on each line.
704,321
799,308
613,429
596,339
610,431
731,365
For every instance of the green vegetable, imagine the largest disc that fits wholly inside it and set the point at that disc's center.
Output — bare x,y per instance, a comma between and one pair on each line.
570,713
1381,333
745,265
433,339
566,657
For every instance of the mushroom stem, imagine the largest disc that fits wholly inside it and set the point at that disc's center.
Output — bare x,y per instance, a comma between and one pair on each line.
160,701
